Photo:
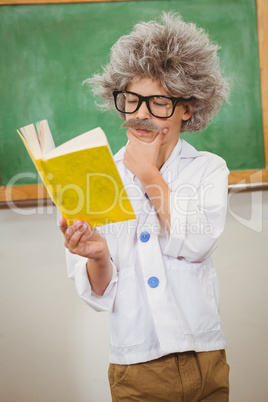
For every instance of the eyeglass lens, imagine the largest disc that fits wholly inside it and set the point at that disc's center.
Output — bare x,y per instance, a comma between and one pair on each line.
158,106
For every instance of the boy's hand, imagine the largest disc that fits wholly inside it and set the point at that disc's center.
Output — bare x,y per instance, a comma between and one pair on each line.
82,239
141,157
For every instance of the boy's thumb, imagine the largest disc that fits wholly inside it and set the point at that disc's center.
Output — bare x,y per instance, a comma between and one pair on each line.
161,135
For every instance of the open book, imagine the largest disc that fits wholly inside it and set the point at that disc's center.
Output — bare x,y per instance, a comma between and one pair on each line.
79,175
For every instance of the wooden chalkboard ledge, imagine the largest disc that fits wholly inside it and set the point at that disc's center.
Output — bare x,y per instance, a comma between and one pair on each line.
23,193
27,195
248,177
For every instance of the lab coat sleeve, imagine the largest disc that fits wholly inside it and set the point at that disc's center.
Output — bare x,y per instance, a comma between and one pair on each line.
198,214
76,270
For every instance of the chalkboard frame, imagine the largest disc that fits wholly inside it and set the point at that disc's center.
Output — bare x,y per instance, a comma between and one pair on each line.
245,177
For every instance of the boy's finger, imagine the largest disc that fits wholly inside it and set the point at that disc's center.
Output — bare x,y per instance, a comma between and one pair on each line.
75,238
63,224
130,135
160,137
72,229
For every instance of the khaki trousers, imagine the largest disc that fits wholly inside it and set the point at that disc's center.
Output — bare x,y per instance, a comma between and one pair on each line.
178,377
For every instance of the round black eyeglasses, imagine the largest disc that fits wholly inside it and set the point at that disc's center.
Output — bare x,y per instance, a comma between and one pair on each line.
159,106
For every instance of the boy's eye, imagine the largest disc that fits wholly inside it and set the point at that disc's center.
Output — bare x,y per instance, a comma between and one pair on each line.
132,101
160,102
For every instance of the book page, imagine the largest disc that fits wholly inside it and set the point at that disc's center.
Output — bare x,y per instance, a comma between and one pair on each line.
90,139
31,137
45,137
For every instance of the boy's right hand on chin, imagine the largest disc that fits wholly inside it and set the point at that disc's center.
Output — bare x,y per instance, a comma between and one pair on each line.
82,239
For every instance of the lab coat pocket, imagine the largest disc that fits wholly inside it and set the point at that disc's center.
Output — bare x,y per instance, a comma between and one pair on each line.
195,292
127,317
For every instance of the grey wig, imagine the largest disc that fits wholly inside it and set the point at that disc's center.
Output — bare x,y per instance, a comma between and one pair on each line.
178,54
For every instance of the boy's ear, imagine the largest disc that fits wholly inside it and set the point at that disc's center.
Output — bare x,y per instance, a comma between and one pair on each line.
187,113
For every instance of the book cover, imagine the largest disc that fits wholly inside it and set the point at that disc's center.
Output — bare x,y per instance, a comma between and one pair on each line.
80,175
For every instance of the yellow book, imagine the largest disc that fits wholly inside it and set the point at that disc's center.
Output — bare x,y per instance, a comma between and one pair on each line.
80,175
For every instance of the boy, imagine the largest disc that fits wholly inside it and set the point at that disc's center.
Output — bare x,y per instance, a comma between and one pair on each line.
154,274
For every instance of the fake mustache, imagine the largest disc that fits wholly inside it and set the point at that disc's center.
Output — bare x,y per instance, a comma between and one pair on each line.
142,125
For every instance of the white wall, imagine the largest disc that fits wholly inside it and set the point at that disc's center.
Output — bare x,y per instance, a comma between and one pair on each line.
54,348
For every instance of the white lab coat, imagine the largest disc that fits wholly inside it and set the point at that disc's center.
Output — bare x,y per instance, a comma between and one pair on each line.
164,296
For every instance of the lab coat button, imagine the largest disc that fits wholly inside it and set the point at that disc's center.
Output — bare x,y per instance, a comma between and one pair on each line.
153,282
144,237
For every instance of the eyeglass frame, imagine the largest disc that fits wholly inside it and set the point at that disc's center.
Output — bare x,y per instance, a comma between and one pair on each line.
146,99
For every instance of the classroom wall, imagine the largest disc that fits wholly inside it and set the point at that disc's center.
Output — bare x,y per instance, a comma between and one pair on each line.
54,348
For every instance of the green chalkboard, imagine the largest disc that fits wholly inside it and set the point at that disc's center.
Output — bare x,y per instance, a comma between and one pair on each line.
48,50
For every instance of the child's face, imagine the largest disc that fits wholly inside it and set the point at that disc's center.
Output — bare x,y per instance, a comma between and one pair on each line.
147,87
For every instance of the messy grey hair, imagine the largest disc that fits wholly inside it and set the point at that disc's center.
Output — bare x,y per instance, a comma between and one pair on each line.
178,54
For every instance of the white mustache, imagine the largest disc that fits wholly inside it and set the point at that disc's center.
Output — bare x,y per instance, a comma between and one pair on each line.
142,125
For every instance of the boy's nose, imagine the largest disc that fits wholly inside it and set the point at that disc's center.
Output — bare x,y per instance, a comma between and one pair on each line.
143,112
